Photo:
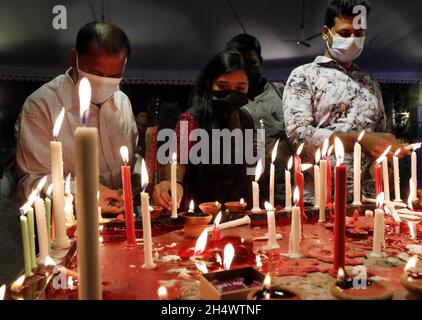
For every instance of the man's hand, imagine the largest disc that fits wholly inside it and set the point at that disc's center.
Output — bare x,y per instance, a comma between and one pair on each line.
111,201
162,195
375,143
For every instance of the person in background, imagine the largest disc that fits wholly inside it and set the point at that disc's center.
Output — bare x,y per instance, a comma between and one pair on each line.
265,105
141,119
332,97
100,55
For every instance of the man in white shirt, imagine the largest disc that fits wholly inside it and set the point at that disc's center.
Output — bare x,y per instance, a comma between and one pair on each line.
100,55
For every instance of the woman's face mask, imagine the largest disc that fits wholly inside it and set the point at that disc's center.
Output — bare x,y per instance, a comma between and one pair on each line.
102,88
346,49
228,101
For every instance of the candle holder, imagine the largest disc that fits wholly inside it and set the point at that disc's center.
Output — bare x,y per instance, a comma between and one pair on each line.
210,207
236,206
274,293
195,223
375,290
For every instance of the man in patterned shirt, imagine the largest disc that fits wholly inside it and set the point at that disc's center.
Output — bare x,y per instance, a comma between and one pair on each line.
331,97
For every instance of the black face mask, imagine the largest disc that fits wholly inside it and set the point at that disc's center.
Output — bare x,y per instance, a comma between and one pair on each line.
228,101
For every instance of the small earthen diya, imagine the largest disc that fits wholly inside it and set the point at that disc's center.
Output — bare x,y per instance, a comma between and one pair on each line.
274,293
210,207
195,223
412,277
236,206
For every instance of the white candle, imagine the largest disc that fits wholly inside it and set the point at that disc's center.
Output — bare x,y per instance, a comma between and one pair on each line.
357,171
41,224
68,202
379,228
174,187
232,224
146,222
322,189
295,229
86,165
396,177
386,181
255,188
288,184
414,171
61,240
317,179
272,234
272,172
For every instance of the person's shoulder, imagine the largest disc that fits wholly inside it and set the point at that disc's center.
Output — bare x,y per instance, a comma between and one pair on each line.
47,90
121,98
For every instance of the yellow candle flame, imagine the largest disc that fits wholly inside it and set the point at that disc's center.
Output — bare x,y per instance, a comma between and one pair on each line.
258,170
361,136
339,151
49,190
18,283
124,152
317,156
290,163
228,256
162,293
268,206
397,152
305,166
330,150
381,158
174,157
242,201
2,291
340,274
201,266
144,172
274,152
41,184
58,123
325,147
380,200
67,185
201,243
267,281
84,97
299,150
191,206
296,195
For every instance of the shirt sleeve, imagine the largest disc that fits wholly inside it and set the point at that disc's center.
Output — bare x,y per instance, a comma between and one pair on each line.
298,113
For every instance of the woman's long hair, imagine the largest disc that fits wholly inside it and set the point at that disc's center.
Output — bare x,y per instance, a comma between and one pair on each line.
200,102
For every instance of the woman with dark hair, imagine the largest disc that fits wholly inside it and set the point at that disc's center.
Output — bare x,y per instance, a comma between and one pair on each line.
215,104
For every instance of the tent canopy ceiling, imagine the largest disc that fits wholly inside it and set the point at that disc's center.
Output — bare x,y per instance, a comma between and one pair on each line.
172,40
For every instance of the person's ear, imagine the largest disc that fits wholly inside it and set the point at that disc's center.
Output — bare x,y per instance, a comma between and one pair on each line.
261,61
325,31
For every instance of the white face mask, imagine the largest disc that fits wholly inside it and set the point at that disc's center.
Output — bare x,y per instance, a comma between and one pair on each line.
346,49
102,88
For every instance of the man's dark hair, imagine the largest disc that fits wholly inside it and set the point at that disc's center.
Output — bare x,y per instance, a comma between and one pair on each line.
343,8
113,39
244,42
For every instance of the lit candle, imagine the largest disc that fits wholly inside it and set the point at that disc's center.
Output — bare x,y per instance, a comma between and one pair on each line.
41,224
396,176
255,188
25,235
217,227
61,240
378,171
146,221
272,172
357,171
232,224
272,235
414,170
86,165
47,203
340,198
316,178
201,243
127,195
288,184
328,200
323,182
295,228
162,293
68,202
228,256
174,187
386,182
378,237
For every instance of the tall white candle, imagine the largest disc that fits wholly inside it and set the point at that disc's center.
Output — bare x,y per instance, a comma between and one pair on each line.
61,240
272,234
41,224
386,180
288,184
255,188
322,189
68,202
146,222
414,171
232,224
272,172
174,187
295,229
317,179
86,165
357,171
379,228
396,177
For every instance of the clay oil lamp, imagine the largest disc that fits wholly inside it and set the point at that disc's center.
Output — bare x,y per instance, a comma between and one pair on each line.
269,292
210,207
412,277
348,288
195,222
236,206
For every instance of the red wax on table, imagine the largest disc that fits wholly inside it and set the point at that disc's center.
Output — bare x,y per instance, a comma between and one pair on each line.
378,178
340,199
127,195
328,199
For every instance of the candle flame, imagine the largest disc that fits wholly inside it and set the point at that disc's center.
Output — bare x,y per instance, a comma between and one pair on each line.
267,281
144,173
296,195
397,152
201,266
217,219
217,204
258,261
162,293
411,230
218,259
228,256
261,122
392,212
290,163
58,123
380,200
24,209
340,274
361,136
49,261
2,291
339,151
325,148
330,150
201,243
242,201
417,146
268,206
381,158
18,283
49,190
317,156
41,184
299,150
305,166
411,264
191,206
174,157
67,185
84,98
411,194
124,152
274,153
258,170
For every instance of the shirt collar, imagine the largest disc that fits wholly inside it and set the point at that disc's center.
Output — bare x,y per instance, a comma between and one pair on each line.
329,62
